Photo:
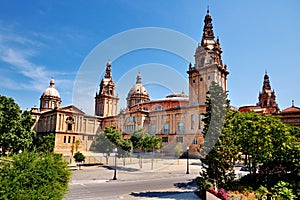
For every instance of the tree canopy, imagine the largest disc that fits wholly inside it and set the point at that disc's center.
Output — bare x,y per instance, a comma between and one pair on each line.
218,149
34,175
143,141
15,127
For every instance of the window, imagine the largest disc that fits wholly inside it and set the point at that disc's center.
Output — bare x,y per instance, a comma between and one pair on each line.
137,101
73,139
130,119
82,137
180,127
152,129
166,128
208,78
159,107
90,137
195,141
194,81
65,139
69,139
69,127
53,104
192,121
70,122
179,139
165,139
201,79
46,104
129,128
200,122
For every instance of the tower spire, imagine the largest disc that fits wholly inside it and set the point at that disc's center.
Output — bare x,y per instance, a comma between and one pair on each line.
139,78
208,33
108,69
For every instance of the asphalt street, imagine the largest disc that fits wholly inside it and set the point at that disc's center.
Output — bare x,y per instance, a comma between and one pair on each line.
167,180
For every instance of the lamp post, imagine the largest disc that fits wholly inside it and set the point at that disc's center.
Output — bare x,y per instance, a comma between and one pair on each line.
115,171
187,160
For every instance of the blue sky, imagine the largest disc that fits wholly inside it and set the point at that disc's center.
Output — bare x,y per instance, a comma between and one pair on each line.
41,39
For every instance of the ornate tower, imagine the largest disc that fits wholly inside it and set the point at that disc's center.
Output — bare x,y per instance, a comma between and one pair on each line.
50,99
267,98
208,65
106,102
138,93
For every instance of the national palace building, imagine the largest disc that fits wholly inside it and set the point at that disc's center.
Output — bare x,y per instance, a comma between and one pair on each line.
177,118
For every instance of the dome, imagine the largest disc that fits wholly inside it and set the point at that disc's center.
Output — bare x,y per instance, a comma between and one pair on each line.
138,93
138,89
51,91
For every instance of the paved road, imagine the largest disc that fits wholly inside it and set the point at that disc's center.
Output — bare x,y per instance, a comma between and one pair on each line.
168,180
127,190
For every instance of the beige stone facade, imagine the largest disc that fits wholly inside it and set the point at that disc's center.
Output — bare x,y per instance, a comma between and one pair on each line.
178,118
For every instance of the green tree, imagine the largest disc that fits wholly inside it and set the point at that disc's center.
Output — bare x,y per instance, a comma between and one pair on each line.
125,149
34,175
142,141
79,158
109,139
15,127
45,143
218,151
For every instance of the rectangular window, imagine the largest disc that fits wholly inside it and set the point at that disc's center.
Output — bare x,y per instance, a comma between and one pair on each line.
82,137
65,139
195,141
180,127
165,139
69,127
192,122
200,122
73,139
90,137
179,139
152,129
166,128
69,139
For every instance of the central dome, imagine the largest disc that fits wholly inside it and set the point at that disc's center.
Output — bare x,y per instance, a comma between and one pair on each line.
51,91
138,93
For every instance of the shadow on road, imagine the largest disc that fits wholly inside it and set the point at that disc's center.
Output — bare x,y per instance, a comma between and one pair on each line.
163,194
127,169
186,185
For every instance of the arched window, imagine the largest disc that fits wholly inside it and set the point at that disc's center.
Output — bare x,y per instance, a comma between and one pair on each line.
70,122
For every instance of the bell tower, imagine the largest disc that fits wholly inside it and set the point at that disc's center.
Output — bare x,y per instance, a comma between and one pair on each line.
106,102
208,65
267,98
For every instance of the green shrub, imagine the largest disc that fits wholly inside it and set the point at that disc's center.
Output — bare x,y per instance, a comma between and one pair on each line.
32,175
79,157
262,193
281,191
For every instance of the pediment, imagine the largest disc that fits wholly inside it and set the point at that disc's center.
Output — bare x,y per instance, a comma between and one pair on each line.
72,109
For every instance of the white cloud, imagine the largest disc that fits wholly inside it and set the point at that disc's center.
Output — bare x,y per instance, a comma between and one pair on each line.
18,52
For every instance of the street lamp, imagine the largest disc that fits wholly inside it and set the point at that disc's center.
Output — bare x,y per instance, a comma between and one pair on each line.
115,171
187,160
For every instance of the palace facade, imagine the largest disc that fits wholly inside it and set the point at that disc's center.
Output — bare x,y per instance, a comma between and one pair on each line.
177,118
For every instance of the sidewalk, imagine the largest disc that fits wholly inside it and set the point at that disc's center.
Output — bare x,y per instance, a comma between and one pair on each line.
133,172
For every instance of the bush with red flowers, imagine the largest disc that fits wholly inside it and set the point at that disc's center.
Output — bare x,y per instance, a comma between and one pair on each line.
221,193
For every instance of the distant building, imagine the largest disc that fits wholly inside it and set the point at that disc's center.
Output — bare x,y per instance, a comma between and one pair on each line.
266,100
291,115
267,105
176,118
